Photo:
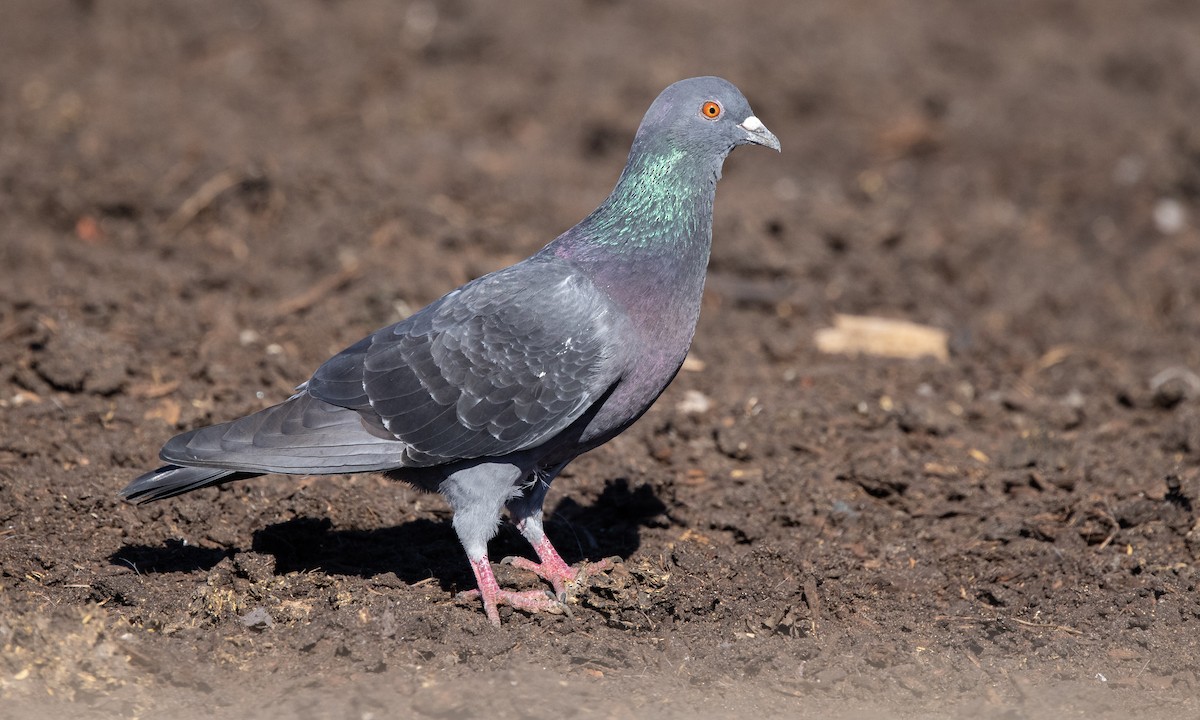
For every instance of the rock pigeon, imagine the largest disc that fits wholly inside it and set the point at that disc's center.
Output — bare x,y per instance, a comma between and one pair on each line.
487,393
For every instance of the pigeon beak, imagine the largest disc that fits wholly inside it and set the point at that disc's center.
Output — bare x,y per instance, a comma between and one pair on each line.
758,133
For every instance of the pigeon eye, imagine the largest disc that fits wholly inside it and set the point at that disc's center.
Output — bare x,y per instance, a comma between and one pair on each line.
710,110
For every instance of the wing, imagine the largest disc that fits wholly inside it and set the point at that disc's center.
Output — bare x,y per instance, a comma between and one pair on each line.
500,365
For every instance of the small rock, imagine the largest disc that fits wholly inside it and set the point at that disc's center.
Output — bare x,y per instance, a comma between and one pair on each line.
78,359
1169,216
734,442
694,402
257,619
1174,385
387,624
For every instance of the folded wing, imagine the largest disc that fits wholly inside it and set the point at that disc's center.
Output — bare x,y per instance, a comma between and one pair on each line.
498,366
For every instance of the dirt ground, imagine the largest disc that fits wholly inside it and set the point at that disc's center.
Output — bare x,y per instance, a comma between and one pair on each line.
199,202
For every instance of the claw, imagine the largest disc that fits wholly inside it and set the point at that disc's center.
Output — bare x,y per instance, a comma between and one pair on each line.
531,601
563,577
552,569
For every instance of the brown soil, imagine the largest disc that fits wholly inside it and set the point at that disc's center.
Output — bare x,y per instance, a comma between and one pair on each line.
199,202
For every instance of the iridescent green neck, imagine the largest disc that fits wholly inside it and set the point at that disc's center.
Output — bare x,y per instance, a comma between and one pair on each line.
663,199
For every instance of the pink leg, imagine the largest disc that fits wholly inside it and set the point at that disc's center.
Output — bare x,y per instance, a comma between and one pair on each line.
553,569
489,591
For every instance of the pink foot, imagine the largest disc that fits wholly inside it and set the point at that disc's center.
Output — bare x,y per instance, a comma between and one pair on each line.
489,592
554,570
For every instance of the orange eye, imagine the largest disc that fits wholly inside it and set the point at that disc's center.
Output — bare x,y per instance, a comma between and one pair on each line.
710,110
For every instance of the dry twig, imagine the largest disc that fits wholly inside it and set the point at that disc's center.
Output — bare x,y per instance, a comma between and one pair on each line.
202,198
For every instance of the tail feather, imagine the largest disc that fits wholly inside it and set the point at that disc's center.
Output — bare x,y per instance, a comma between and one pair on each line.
302,436
171,480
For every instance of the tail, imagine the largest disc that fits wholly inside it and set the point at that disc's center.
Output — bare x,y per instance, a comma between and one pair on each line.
171,480
302,436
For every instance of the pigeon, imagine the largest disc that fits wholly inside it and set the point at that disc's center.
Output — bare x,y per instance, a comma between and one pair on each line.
488,392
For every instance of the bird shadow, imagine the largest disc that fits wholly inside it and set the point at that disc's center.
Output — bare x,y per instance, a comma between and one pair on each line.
173,556
422,549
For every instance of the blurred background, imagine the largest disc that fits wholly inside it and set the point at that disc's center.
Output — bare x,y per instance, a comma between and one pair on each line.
200,202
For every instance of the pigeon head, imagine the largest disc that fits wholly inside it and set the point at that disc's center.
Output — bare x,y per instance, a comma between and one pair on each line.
663,201
706,115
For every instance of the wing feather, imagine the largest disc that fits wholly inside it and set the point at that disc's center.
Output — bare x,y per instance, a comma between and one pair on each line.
497,366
